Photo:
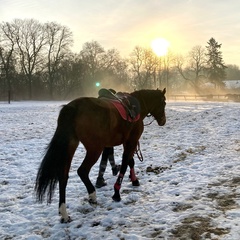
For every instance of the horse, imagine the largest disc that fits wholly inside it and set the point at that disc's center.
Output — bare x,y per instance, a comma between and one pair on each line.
96,123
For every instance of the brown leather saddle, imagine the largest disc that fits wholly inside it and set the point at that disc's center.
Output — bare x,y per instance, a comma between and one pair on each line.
129,103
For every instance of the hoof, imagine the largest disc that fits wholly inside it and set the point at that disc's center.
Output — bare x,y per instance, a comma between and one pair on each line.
92,202
92,199
68,220
136,183
116,198
116,169
100,182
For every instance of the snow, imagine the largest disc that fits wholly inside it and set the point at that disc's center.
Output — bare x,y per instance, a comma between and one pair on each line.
189,178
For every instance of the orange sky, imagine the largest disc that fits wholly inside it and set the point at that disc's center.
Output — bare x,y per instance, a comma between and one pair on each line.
127,23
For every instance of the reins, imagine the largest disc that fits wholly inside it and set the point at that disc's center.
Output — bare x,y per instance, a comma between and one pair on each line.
139,153
147,124
138,150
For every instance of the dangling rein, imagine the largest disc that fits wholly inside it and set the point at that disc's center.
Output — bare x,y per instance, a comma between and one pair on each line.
139,153
147,124
138,150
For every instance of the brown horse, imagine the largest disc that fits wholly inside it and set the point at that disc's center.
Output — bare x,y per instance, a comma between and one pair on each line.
97,124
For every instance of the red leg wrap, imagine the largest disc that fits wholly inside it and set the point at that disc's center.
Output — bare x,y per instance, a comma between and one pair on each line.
132,174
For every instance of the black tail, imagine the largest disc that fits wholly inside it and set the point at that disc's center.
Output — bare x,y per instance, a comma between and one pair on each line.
56,155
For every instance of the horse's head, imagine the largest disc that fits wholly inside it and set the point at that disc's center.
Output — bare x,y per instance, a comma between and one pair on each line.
152,102
158,107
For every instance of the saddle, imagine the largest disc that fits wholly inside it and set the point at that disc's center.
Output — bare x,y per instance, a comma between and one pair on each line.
127,105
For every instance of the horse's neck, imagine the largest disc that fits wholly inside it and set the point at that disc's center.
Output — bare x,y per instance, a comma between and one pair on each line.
144,103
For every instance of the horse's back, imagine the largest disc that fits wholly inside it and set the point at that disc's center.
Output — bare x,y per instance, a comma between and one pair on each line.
97,120
91,107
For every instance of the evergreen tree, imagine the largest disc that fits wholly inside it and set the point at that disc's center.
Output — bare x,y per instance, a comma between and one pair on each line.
215,63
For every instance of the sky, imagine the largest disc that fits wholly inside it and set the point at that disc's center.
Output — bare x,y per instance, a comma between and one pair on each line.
126,24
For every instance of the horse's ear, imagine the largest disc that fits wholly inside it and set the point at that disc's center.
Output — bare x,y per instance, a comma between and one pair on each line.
164,91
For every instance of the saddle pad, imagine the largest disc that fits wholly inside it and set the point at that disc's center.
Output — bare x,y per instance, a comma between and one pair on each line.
122,111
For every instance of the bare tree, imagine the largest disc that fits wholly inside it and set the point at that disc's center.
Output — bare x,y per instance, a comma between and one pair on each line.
69,77
92,54
167,62
113,69
30,38
197,64
143,66
58,41
121,73
150,63
108,59
192,67
136,61
6,54
101,65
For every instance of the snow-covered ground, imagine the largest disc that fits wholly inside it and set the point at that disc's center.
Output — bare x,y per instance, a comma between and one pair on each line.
189,178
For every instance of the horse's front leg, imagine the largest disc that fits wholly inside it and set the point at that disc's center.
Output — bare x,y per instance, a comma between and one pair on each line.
132,176
116,197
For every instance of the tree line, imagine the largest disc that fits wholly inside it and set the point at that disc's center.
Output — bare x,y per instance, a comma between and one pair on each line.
36,62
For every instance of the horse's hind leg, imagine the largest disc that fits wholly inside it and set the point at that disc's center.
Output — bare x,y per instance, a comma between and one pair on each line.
63,179
83,172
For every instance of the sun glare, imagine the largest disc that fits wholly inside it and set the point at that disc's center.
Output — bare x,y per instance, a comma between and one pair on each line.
160,46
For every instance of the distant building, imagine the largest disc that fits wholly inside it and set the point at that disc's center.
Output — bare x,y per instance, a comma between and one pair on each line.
232,84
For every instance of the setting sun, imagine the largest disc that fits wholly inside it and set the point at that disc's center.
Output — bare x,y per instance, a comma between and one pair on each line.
160,46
